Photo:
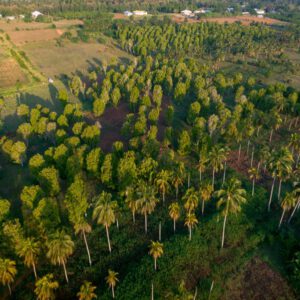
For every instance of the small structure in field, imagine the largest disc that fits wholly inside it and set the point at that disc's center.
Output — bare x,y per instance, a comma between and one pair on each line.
187,13
230,9
260,12
245,13
10,18
36,14
128,13
21,16
200,11
140,13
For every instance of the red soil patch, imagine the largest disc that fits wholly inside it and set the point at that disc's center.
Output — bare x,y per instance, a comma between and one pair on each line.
258,281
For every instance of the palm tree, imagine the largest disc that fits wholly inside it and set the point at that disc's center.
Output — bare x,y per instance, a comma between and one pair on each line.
29,249
190,222
156,250
86,291
280,164
230,198
60,247
104,212
112,280
288,202
217,157
146,201
177,181
44,288
174,213
131,202
296,191
294,143
8,272
191,200
162,181
254,176
205,194
83,227
202,164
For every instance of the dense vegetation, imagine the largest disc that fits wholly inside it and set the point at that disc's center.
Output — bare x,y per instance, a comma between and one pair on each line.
202,176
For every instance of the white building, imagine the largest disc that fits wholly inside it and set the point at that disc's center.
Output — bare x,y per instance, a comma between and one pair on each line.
230,9
260,11
21,16
186,12
245,13
140,13
35,14
10,18
200,11
128,13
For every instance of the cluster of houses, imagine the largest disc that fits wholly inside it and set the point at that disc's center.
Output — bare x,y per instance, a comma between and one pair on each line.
192,14
135,13
34,15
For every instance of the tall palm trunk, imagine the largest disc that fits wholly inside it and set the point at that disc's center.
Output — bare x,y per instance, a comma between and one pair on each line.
200,176
253,186
9,288
87,247
294,210
271,135
279,189
224,173
108,239
155,263
163,194
223,233
248,145
283,212
190,232
271,194
252,156
174,225
34,270
113,292
202,206
133,216
146,223
65,270
152,291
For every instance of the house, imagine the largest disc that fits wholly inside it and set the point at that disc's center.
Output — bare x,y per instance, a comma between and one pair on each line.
245,13
128,13
260,11
200,11
186,13
230,9
10,18
36,14
140,13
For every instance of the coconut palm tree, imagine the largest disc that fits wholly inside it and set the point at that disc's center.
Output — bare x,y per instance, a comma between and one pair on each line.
86,291
174,213
294,143
111,280
29,250
205,193
254,176
190,222
131,201
202,164
45,287
191,200
83,227
156,251
146,201
280,165
217,157
288,202
8,272
104,212
60,247
162,181
230,199
177,181
296,191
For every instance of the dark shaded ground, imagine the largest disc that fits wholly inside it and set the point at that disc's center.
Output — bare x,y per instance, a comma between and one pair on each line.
258,281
